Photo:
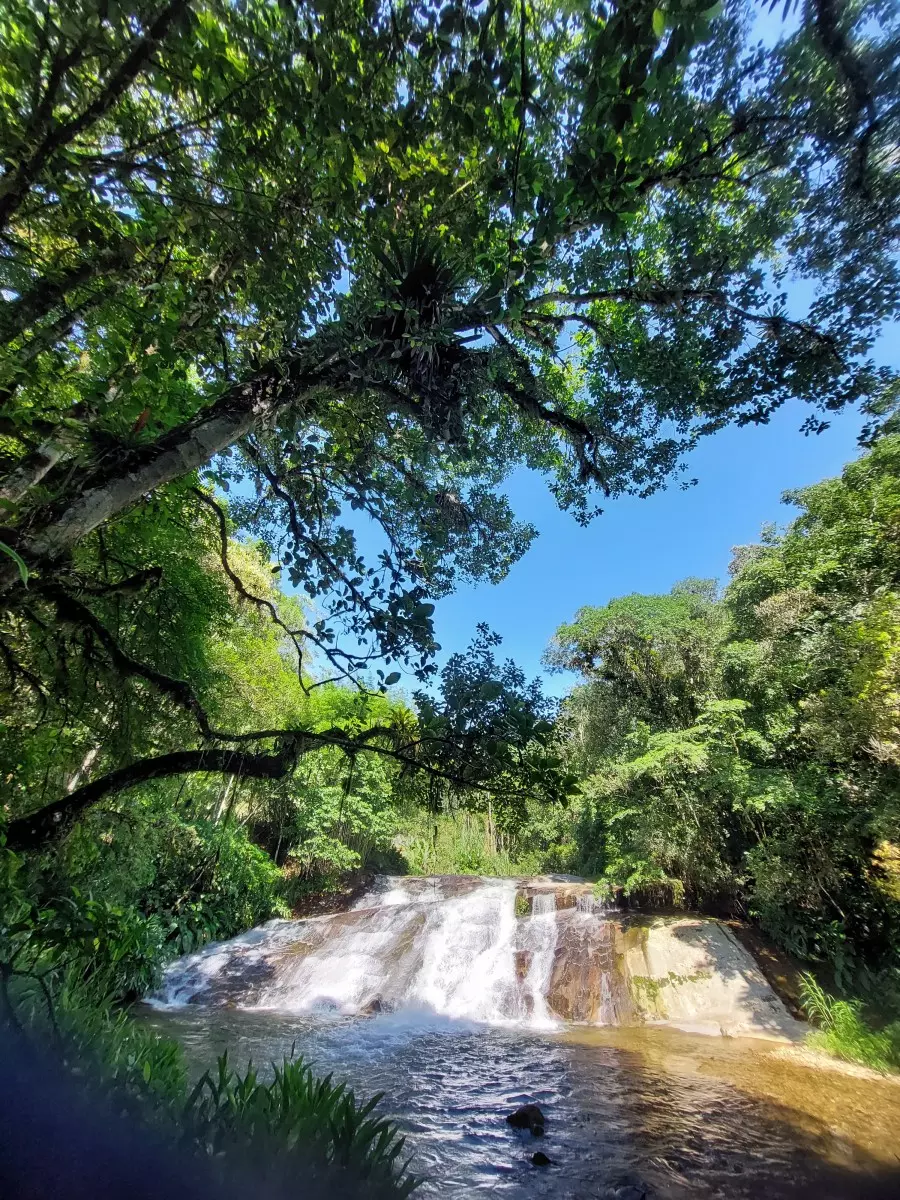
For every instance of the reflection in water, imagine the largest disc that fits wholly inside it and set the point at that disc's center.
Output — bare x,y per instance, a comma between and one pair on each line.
630,1112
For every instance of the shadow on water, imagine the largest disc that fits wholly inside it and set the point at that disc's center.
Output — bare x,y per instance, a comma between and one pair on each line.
629,1112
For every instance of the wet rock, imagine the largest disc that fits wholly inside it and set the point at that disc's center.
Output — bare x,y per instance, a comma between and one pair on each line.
587,982
529,1117
540,1159
629,1192
522,959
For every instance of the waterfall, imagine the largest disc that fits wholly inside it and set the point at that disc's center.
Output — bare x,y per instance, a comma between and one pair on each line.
531,951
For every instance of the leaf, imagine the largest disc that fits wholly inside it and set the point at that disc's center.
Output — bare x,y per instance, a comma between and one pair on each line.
18,560
490,690
659,22
393,678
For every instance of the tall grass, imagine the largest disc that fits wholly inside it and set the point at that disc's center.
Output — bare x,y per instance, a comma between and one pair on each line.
843,1032
296,1121
455,843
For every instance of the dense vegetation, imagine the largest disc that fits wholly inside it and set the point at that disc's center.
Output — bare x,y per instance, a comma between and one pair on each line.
742,749
271,275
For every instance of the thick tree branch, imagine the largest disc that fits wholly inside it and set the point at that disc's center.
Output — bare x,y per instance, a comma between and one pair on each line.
35,830
184,449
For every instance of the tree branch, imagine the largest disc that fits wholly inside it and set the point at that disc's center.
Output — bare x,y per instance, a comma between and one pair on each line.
15,184
35,830
240,587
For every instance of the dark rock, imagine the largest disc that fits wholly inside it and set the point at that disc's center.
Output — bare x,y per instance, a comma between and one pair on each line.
540,1159
529,1117
375,1005
630,1192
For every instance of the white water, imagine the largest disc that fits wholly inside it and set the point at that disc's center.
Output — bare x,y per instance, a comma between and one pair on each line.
535,952
453,947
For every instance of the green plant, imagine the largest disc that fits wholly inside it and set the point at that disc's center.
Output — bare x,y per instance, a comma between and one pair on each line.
292,1117
843,1032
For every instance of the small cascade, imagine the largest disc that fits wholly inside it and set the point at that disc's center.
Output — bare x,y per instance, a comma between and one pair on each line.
533,951
538,940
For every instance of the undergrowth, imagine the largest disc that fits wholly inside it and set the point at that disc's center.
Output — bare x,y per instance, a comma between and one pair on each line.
271,1129
842,1030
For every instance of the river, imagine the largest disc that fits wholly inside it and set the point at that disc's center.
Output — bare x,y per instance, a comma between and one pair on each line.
462,1000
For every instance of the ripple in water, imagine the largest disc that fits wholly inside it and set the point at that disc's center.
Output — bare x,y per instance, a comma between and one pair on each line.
631,1113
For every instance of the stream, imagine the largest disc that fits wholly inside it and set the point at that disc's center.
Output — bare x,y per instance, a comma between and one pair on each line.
462,999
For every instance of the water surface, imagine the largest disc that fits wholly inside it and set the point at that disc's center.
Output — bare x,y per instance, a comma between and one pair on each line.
630,1112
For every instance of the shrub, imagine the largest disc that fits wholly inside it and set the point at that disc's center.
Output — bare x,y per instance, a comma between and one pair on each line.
843,1032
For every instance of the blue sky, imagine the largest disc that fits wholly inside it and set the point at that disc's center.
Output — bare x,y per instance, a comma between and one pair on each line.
645,545
648,545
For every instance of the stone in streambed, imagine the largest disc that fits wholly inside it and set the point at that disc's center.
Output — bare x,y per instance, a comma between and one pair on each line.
529,1117
373,1007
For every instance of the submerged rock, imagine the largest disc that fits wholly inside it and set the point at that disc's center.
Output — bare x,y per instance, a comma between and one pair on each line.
529,1117
540,1159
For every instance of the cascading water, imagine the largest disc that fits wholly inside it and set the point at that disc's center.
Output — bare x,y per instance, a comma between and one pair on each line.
462,998
535,952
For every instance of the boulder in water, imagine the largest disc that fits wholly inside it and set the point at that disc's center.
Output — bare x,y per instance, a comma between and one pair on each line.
540,1159
374,1006
529,1117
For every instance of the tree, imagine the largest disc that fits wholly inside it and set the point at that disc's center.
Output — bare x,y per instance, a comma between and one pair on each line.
656,655
369,257
768,774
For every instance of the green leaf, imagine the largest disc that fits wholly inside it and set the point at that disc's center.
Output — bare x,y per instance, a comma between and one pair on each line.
17,559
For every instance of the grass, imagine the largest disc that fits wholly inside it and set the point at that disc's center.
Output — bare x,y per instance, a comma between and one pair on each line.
842,1031
459,843
293,1125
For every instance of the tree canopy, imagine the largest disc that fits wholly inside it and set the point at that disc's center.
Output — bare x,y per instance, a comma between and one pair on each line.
367,258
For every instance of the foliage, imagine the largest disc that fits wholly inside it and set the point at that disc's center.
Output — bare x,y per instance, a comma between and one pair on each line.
739,750
342,815
843,1032
295,1115
51,940
452,843
362,282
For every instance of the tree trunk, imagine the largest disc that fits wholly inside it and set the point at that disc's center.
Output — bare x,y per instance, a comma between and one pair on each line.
242,408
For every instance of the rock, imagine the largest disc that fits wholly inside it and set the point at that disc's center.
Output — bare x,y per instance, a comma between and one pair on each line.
522,959
629,1192
529,1117
375,1005
541,1160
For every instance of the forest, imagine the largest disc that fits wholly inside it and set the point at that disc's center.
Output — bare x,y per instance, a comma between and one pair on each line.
275,274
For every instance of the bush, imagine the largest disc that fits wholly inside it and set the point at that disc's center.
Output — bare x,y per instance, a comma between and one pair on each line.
201,879
843,1032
